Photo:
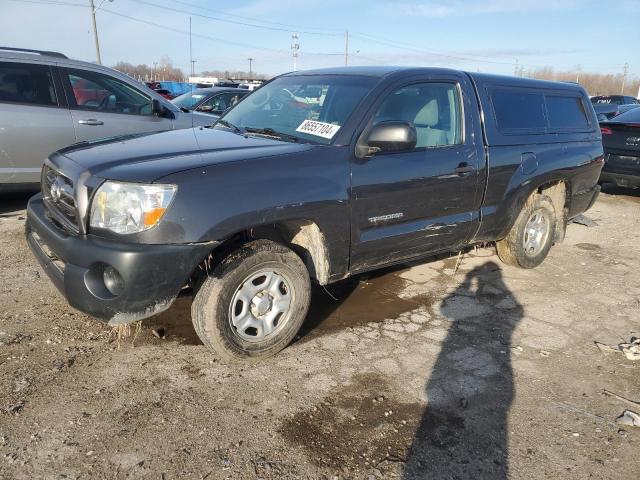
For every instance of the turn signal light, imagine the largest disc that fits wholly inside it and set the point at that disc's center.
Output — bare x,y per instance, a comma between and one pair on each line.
606,131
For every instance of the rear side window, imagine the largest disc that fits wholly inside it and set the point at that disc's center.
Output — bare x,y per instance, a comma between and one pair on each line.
522,111
566,112
519,110
26,83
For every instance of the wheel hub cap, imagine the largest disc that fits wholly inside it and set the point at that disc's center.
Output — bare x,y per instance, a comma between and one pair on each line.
260,306
535,234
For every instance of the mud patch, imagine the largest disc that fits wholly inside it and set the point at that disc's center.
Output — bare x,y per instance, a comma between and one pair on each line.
357,427
176,321
357,301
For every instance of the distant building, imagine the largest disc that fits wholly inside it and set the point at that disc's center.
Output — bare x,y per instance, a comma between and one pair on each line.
204,80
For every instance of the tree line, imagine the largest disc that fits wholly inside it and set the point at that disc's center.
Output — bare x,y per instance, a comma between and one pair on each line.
594,83
165,71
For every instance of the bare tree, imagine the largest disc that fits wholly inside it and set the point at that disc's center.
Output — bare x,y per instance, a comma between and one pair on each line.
164,70
594,83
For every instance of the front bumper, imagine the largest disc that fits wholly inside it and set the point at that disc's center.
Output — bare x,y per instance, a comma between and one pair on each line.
153,275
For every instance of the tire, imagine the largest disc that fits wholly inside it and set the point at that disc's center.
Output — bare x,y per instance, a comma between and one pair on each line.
262,328
519,247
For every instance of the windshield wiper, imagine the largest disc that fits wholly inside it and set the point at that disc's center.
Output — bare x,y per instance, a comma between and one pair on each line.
270,132
230,125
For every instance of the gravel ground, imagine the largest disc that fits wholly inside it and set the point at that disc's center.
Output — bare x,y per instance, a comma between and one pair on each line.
416,372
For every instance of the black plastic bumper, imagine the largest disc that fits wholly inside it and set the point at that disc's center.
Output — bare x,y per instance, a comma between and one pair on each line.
621,179
153,275
622,170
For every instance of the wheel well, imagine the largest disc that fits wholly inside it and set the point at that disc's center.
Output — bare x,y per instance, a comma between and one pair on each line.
303,237
559,194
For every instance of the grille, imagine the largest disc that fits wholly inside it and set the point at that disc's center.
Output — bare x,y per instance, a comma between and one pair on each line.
59,199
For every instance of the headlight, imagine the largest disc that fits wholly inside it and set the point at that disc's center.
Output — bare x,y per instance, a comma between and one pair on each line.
129,207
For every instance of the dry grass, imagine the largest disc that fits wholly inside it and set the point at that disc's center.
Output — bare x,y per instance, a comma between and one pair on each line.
123,332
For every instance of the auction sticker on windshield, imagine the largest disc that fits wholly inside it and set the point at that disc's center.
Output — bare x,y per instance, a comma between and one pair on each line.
319,129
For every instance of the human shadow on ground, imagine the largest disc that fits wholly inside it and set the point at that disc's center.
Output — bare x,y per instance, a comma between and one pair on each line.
463,432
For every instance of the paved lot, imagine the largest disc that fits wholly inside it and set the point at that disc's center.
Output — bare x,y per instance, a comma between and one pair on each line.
417,372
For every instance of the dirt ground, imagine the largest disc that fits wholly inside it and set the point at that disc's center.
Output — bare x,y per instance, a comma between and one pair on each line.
416,372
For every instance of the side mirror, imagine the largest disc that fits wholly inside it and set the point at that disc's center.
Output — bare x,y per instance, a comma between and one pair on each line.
205,108
157,108
388,137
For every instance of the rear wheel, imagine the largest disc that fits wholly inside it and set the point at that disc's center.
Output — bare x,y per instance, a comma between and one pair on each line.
531,237
254,303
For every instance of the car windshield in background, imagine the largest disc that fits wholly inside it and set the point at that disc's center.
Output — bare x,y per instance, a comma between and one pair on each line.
306,107
188,100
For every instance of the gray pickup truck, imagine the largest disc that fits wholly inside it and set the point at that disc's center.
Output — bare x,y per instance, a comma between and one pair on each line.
317,176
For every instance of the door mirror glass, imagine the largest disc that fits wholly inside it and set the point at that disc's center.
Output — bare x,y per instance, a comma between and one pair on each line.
205,108
390,137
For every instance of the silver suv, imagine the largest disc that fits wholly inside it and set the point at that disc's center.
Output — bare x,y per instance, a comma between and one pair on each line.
48,101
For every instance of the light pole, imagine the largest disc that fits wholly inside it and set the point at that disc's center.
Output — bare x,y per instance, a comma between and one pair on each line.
95,28
250,67
155,71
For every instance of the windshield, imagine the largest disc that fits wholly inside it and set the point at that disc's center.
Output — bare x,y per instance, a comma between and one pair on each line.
188,100
307,107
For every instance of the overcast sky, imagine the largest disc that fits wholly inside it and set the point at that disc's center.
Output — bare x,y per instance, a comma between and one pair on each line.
489,35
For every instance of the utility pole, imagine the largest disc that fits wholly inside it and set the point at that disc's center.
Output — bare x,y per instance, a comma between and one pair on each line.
578,70
346,47
250,67
190,48
193,68
295,47
95,31
624,77
155,71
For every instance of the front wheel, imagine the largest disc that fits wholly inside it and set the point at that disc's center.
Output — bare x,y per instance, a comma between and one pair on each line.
528,242
254,303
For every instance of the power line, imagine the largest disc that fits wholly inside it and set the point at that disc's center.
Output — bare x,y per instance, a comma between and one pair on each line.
206,37
235,22
404,46
51,2
184,32
253,19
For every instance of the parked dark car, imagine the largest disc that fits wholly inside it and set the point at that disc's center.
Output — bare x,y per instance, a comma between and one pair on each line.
615,99
621,141
387,165
213,100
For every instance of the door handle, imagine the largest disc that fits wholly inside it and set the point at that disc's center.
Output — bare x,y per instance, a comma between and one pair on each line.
463,169
91,121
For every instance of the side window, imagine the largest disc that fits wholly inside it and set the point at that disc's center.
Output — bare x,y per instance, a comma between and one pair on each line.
26,83
566,112
218,102
103,93
433,108
519,109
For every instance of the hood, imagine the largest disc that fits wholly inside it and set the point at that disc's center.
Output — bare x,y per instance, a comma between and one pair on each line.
147,157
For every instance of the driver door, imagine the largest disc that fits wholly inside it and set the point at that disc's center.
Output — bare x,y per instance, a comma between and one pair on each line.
104,106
